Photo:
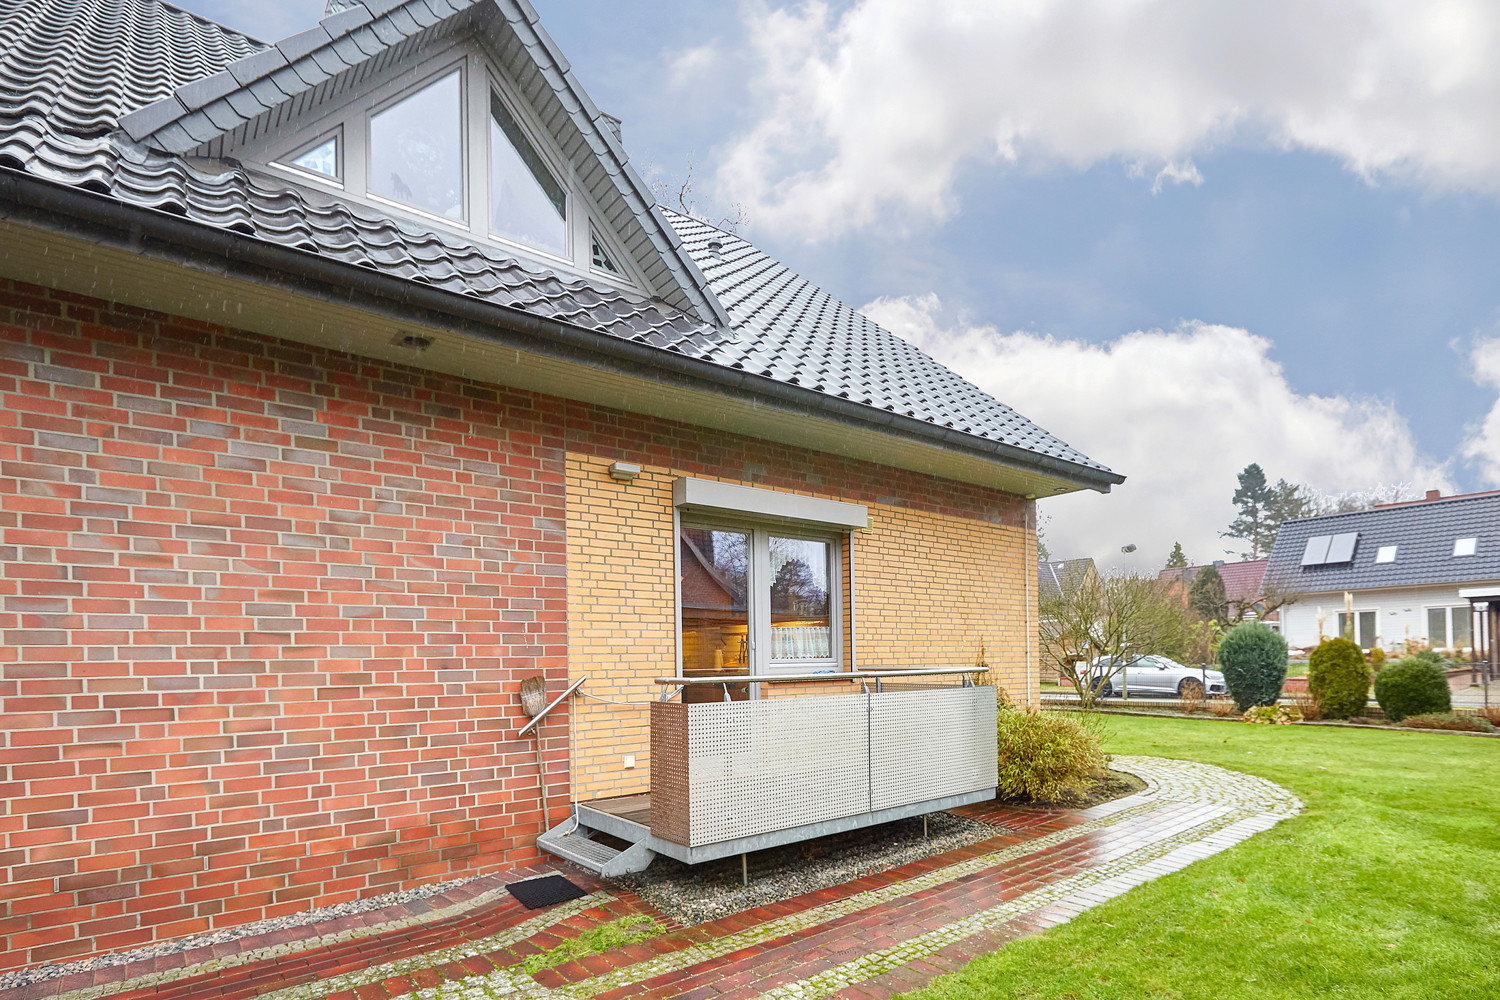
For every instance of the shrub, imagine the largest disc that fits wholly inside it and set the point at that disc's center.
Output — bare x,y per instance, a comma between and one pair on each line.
1044,755
1272,715
1433,657
1412,686
1222,707
1309,705
1253,659
1377,659
1492,714
1448,720
1339,678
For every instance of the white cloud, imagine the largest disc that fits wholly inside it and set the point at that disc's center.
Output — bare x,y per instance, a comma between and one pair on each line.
1482,447
873,111
690,65
1185,172
1179,413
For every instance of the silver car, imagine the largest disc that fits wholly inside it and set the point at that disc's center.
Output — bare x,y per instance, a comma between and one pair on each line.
1158,675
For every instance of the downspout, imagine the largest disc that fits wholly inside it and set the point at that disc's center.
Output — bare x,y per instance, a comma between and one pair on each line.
1028,571
853,628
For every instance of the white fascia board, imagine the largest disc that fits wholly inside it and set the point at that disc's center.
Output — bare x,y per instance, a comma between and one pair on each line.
708,496
1490,593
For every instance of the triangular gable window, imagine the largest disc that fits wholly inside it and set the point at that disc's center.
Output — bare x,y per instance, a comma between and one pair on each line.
417,150
527,204
599,257
322,158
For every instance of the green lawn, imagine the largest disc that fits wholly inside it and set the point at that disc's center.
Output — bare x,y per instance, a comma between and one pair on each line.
1386,886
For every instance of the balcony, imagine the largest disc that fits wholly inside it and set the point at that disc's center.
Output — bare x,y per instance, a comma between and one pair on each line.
810,756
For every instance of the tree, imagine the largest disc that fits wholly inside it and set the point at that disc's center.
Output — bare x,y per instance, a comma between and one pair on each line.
1178,558
1090,631
1253,498
1207,596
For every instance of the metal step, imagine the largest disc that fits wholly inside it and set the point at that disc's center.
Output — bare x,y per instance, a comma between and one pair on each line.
568,840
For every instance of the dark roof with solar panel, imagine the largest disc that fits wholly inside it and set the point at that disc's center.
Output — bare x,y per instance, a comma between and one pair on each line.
1403,545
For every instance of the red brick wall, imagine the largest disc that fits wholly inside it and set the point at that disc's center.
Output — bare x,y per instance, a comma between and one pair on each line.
264,610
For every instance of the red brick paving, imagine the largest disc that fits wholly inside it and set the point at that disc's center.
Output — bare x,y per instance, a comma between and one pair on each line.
743,973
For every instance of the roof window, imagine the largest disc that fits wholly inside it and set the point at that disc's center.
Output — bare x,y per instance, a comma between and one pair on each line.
321,158
1465,546
1329,550
599,256
417,150
527,204
1386,554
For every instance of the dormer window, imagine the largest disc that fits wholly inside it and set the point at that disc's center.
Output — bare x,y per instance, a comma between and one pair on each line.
459,152
527,204
417,149
1464,546
599,256
322,158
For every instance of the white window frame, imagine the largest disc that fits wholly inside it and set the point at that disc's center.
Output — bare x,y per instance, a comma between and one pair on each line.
1464,547
459,65
1374,639
350,115
758,580
284,162
1386,554
561,173
1451,613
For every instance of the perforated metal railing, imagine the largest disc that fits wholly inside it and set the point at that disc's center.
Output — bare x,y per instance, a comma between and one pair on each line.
726,770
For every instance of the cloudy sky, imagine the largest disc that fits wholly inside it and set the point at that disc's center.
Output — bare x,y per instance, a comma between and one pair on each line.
1182,235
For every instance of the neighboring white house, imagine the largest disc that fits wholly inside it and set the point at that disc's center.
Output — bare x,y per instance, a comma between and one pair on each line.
1397,569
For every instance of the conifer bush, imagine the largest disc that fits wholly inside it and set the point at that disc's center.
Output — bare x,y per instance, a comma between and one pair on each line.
1252,658
1339,678
1412,686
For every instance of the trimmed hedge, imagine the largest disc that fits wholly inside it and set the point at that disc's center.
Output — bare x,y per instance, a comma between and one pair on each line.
1044,755
1252,658
1339,678
1412,686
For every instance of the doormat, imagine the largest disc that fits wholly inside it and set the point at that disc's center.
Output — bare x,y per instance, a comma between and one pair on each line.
548,890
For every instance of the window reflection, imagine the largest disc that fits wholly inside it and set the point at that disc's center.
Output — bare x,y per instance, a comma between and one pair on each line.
321,159
527,204
801,627
416,150
715,610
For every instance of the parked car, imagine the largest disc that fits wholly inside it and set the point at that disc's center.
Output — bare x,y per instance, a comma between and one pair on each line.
1158,675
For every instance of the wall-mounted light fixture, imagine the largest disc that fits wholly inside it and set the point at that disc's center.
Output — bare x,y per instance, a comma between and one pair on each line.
624,471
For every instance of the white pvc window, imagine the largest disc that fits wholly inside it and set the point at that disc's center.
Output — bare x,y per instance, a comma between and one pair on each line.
527,204
322,158
1465,546
1448,628
757,600
417,149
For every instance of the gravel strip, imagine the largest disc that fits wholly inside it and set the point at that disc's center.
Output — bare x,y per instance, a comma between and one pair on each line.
24,977
692,894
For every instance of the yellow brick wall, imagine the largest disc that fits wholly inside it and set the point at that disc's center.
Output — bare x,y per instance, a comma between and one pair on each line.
929,590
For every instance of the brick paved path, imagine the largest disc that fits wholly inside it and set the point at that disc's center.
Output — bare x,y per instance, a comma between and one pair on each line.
872,937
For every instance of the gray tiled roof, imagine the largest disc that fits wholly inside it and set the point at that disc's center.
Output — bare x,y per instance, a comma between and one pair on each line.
1423,534
82,64
782,327
793,331
234,201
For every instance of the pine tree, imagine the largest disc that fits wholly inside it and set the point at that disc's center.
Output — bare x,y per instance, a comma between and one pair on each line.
1178,558
1207,595
1254,499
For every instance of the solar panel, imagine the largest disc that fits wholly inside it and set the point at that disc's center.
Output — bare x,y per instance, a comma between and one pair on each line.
1316,553
1341,548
